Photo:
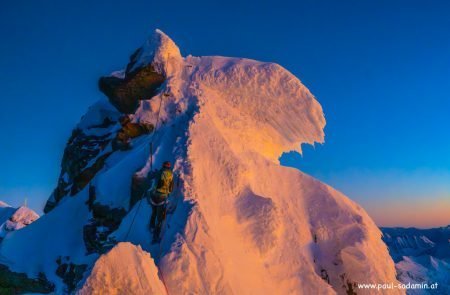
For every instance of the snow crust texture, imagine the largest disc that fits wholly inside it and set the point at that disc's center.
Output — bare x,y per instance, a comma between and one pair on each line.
242,223
126,269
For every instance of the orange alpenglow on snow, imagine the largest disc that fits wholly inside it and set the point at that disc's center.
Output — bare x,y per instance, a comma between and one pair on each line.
241,223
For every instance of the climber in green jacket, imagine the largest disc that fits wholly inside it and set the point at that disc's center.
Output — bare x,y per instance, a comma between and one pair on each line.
157,197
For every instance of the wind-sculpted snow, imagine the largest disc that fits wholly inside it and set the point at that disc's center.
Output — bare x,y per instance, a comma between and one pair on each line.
261,104
242,223
285,232
259,218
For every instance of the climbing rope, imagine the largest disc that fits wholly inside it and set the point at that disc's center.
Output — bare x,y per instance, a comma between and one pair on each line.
160,252
151,163
151,169
151,150
151,160
162,275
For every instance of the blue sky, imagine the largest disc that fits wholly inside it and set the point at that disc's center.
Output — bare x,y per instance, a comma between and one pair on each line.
380,69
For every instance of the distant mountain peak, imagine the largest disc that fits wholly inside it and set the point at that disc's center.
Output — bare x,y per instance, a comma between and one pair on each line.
421,255
12,219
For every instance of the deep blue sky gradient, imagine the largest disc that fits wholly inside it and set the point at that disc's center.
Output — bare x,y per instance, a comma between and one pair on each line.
380,69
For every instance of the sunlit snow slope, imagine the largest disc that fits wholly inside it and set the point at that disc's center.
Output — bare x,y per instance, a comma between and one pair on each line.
126,269
243,223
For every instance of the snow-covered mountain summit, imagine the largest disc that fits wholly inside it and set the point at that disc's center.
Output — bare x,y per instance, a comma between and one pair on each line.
241,222
12,219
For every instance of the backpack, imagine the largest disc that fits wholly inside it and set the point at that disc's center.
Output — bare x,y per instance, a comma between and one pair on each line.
164,184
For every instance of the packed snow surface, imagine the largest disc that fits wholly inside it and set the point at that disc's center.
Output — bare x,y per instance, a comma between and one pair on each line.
243,224
126,269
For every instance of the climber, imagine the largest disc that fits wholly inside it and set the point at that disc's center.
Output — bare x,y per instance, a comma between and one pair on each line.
157,196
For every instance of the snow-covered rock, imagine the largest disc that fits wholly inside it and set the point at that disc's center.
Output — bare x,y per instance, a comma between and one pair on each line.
242,223
159,51
12,219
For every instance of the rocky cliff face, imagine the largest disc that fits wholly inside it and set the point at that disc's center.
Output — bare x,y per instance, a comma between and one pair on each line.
142,77
87,150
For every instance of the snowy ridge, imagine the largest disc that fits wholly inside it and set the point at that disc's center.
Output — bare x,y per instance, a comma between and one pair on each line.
243,224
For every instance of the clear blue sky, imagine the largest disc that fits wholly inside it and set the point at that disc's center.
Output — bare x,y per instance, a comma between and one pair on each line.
380,69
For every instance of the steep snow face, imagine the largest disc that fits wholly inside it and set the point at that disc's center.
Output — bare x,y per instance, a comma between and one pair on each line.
261,227
12,219
242,223
126,269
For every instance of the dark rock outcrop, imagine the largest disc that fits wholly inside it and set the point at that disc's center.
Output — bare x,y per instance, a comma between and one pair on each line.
85,155
70,273
104,221
129,131
80,151
18,283
82,179
125,93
